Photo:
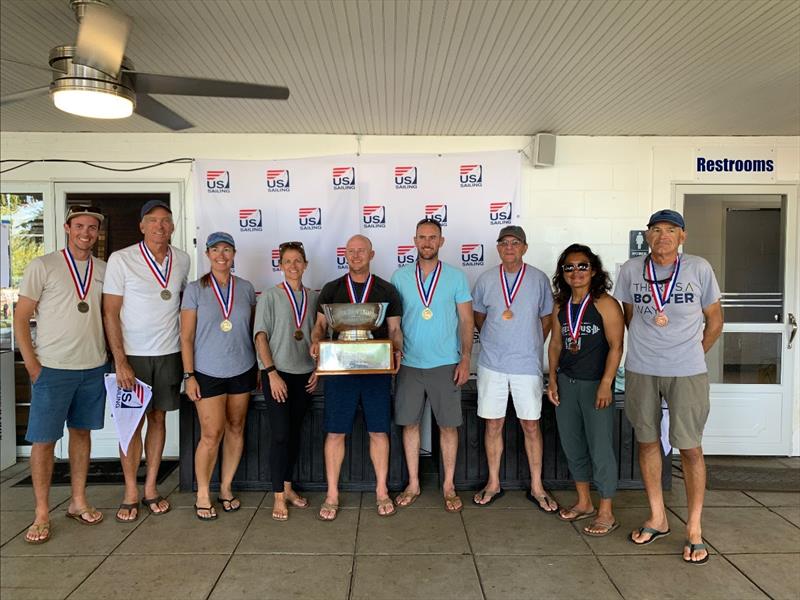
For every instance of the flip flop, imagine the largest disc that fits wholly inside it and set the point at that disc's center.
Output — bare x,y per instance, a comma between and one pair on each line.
280,517
328,506
78,515
210,517
579,516
129,508
654,535
148,502
230,507
386,503
38,528
537,500
608,526
448,500
406,499
484,493
692,547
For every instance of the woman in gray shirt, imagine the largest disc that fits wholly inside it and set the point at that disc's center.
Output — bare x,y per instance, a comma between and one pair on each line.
285,315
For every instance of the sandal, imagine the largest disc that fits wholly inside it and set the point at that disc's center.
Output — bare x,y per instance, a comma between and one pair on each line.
579,516
211,516
546,498
607,528
692,548
484,494
329,507
149,502
406,499
453,503
130,508
38,528
78,515
654,535
388,507
230,507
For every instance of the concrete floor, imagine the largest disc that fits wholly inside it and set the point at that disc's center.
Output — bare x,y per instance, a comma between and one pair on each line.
508,550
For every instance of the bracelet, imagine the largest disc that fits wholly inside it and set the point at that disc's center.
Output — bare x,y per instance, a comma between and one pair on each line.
270,369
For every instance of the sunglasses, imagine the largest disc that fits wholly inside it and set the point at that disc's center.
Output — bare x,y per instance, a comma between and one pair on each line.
570,267
285,245
79,210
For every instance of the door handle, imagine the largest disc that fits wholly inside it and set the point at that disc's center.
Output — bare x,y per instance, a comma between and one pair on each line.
793,323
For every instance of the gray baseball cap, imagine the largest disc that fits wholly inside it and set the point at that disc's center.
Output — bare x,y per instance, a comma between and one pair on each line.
514,231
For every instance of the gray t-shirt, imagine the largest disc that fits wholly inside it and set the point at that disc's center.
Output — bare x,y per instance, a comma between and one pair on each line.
514,346
275,317
675,350
217,353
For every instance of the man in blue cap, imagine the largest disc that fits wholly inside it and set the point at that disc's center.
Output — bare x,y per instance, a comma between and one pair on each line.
672,309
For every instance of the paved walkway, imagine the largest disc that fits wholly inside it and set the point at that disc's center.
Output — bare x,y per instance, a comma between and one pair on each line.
508,550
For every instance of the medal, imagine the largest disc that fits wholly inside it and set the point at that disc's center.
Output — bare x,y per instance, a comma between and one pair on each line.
81,285
351,290
510,292
298,311
427,295
161,278
225,302
662,299
574,322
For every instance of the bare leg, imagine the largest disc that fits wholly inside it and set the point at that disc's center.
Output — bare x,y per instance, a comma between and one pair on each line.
130,467
411,450
236,413
448,440
334,455
694,473
42,460
650,465
80,448
534,449
153,450
493,439
211,414
379,453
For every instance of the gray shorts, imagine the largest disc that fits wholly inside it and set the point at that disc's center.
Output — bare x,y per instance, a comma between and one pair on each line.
686,397
414,385
164,374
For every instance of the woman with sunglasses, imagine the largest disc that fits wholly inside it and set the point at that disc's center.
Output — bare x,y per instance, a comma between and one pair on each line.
219,366
285,315
583,355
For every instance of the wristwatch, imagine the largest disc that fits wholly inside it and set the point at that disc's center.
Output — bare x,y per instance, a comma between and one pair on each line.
187,375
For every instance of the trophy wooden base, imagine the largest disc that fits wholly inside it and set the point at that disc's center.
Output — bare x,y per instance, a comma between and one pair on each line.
355,358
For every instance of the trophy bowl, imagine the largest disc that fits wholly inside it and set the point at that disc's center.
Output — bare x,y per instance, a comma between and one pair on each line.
355,321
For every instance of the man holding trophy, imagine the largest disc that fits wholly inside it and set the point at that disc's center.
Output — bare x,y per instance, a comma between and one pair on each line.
360,369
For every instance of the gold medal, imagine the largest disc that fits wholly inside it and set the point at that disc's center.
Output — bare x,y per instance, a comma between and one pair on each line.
661,319
427,314
298,335
226,326
508,315
166,294
573,347
83,307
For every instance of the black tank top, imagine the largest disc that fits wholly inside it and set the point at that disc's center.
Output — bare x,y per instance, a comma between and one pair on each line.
589,362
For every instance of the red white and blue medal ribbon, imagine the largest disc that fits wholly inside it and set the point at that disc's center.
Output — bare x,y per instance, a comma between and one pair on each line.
81,285
298,310
162,278
510,292
574,323
662,299
226,301
427,295
351,290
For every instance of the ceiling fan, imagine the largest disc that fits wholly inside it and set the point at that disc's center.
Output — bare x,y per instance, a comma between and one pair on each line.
95,79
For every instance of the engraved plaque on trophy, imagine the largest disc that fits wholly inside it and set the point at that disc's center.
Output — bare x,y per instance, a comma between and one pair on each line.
355,351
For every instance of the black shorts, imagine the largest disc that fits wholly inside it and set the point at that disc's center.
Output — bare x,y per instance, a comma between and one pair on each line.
217,386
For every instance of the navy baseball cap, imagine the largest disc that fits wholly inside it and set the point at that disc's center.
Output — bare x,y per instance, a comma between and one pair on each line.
151,205
220,236
666,215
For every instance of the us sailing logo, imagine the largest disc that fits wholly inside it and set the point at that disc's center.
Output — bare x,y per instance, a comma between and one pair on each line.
500,213
405,178
373,216
218,182
278,180
344,178
470,176
406,255
472,255
437,212
250,219
309,218
276,260
341,258
134,399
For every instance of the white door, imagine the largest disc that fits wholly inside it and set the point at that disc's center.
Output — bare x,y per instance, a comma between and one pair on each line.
105,442
749,235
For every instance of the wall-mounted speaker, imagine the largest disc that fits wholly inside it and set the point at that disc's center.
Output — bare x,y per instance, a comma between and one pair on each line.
544,150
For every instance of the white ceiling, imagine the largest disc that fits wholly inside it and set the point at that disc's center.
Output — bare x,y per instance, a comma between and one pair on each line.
443,67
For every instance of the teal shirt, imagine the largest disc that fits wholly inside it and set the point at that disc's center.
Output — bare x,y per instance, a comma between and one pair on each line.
432,343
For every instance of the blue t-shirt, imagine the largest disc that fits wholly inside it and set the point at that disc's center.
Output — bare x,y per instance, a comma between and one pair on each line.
434,342
218,353
514,346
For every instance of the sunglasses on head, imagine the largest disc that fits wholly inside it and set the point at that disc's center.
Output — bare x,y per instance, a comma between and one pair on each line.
78,210
570,267
285,245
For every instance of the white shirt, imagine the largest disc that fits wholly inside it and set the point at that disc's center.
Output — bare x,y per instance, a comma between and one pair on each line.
150,325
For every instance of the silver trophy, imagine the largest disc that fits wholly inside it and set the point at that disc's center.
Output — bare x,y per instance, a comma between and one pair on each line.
355,351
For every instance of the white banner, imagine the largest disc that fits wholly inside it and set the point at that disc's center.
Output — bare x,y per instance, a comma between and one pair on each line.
127,407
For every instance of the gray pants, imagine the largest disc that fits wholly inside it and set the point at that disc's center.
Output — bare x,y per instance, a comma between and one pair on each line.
587,434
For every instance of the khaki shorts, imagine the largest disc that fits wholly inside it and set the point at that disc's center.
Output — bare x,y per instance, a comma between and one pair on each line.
436,384
686,397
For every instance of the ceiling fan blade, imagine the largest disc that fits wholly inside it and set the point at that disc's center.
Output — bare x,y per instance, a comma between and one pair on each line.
152,109
23,95
27,65
152,83
102,35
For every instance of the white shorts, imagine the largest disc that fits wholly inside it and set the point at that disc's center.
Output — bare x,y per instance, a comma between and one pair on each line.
493,388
